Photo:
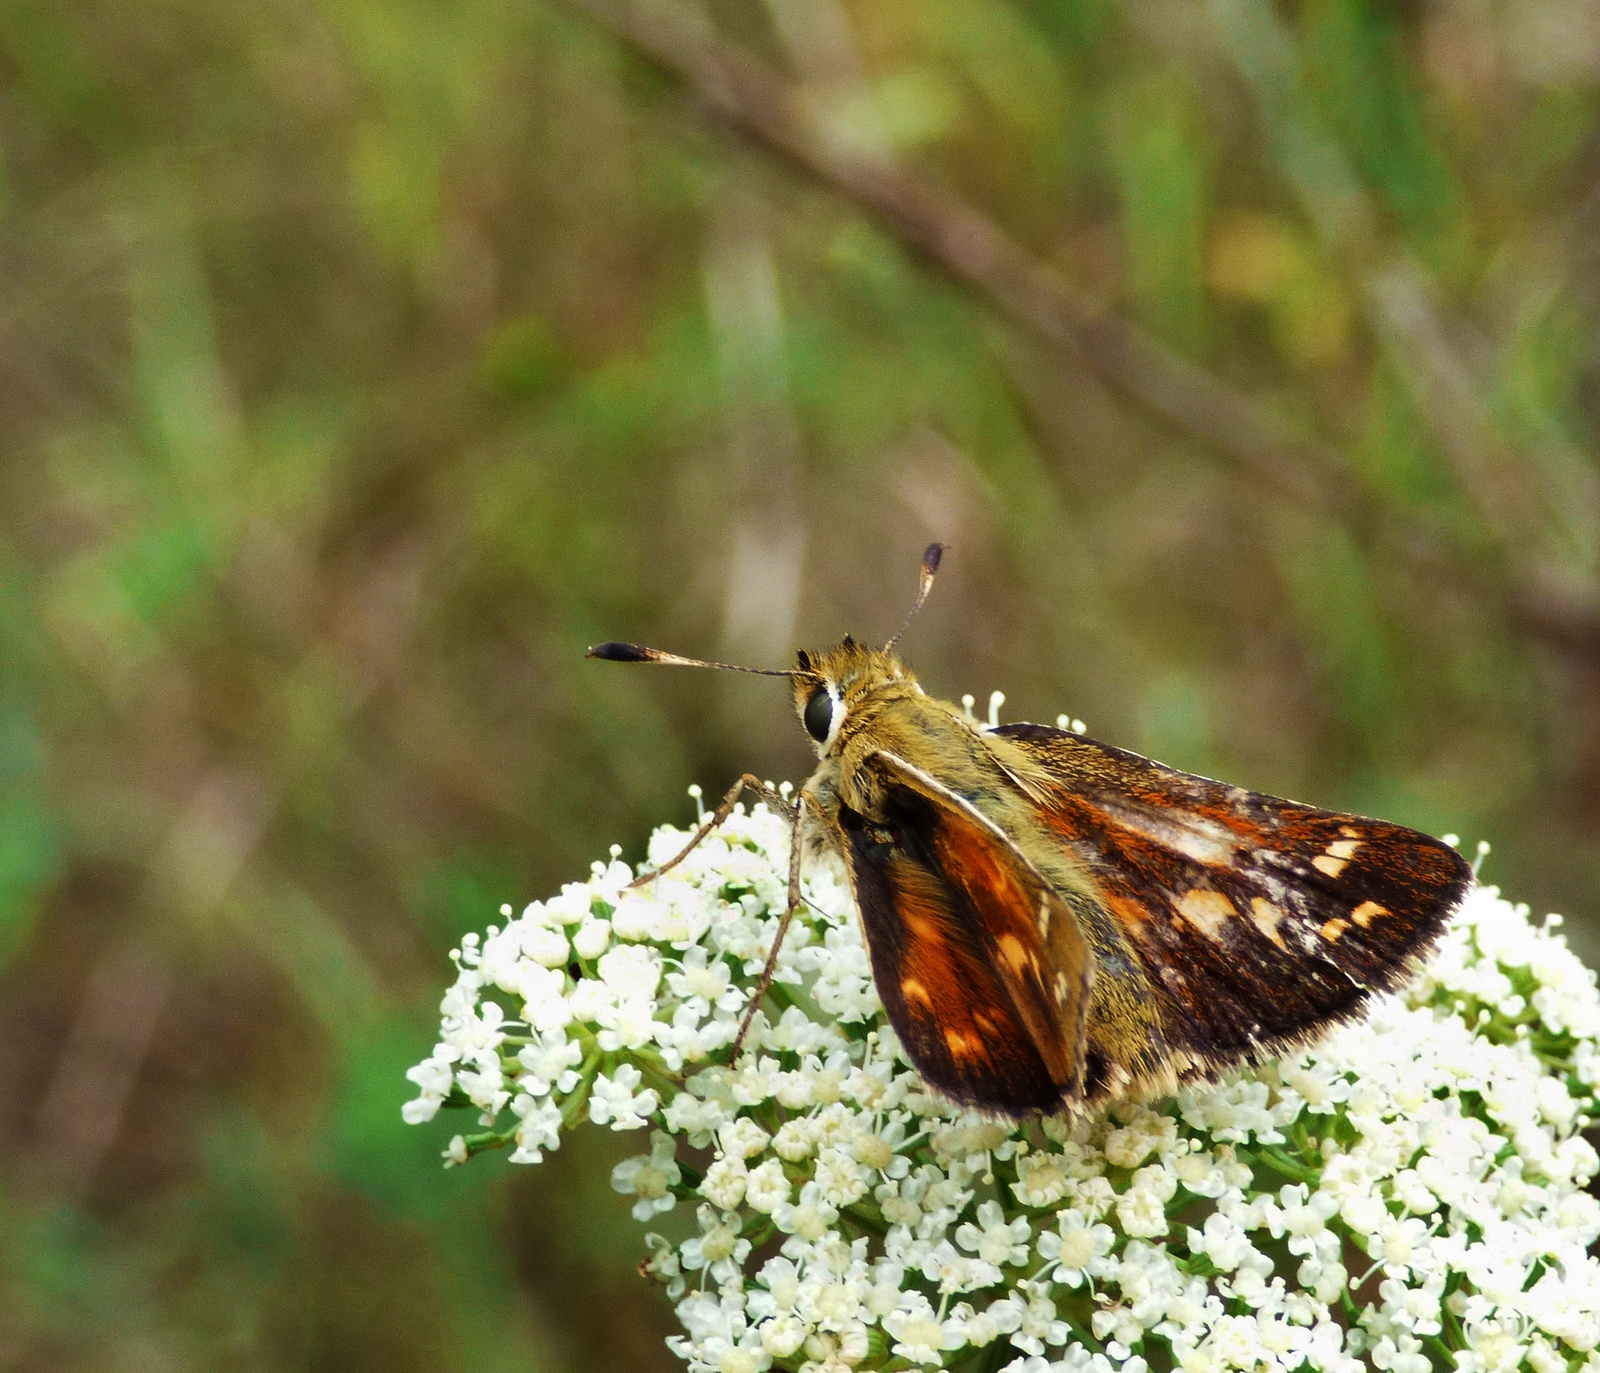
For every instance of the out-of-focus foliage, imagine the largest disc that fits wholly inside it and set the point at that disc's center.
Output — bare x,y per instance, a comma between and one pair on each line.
362,362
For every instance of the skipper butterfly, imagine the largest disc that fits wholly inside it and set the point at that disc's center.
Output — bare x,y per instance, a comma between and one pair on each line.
1054,922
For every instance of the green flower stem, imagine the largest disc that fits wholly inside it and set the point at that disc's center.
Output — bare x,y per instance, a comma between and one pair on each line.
487,1140
1281,1163
572,1109
656,1075
869,1219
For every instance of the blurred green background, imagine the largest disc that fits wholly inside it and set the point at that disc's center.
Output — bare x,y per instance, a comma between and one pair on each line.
363,361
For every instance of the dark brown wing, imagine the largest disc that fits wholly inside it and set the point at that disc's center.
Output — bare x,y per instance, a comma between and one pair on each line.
1259,921
978,962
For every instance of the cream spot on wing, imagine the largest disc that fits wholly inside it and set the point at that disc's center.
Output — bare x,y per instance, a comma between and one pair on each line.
1367,912
1334,928
1193,836
1044,916
913,990
1332,866
1348,832
959,1044
1207,911
1267,918
1016,953
1344,848
1063,988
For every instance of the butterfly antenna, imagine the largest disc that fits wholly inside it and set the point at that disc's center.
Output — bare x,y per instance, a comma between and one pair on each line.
930,565
632,653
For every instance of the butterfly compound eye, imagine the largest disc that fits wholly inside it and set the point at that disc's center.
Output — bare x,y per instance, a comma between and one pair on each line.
818,717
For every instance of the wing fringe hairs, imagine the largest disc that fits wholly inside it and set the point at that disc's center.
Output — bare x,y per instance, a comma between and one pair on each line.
1406,1194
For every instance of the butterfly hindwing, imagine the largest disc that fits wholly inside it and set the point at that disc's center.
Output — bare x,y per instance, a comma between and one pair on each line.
977,960
1259,921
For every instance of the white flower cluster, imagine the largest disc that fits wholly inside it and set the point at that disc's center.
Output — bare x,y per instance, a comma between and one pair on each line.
1407,1196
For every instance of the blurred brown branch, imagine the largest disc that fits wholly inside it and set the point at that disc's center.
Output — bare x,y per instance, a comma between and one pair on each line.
1554,605
1534,523
751,95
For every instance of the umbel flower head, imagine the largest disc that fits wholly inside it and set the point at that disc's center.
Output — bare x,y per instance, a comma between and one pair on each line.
1407,1195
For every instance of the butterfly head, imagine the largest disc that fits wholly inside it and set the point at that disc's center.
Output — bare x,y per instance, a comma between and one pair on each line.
829,686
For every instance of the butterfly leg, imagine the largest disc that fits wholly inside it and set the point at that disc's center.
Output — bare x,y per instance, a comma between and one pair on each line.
796,848
749,782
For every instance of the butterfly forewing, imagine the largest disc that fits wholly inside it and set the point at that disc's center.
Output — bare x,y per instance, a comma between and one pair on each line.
1259,921
980,967
1026,928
